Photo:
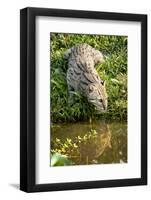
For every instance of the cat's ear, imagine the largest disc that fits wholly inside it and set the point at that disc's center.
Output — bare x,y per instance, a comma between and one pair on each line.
103,83
98,57
67,54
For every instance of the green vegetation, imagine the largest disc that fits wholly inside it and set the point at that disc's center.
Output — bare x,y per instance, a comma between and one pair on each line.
113,70
60,160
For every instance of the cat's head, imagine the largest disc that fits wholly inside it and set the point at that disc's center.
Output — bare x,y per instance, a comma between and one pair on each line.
96,93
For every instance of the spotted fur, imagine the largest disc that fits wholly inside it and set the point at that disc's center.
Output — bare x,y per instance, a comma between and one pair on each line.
82,75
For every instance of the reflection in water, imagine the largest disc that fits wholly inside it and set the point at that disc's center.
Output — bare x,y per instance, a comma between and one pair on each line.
91,150
100,142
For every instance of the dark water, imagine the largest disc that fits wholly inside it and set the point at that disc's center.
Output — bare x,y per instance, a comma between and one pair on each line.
108,146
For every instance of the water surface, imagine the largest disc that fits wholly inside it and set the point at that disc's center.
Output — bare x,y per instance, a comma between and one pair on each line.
108,146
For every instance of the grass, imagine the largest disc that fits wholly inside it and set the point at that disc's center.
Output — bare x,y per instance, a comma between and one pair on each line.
113,70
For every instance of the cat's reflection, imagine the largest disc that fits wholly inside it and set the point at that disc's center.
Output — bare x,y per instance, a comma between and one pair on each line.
90,151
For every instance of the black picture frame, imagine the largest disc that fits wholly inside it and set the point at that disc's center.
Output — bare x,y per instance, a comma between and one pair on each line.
28,99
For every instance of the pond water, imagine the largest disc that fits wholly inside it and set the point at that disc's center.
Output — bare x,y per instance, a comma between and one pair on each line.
97,142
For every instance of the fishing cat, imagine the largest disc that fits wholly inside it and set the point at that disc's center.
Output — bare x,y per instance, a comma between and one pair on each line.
82,75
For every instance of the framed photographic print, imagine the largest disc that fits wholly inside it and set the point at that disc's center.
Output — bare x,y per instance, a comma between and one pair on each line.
83,99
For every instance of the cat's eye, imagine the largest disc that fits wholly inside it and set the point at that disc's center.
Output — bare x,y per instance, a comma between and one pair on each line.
90,89
101,100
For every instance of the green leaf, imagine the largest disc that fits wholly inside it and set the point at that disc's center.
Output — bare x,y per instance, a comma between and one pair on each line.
60,160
